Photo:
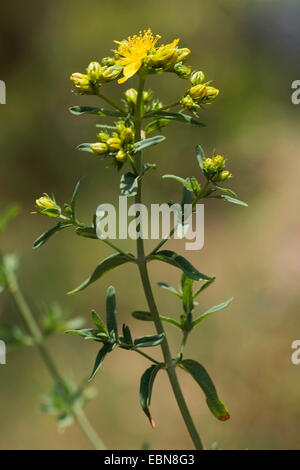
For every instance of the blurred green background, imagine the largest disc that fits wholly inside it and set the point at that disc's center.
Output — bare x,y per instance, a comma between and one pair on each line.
251,51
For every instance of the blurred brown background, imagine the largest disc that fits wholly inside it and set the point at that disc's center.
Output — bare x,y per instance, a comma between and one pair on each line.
251,51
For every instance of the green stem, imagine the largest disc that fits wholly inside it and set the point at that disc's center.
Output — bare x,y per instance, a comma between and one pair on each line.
141,261
164,108
146,356
36,333
109,101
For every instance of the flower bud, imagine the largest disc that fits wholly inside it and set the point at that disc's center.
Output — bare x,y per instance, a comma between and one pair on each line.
218,162
82,83
121,156
181,70
108,61
207,165
211,93
147,95
197,92
188,102
103,136
183,54
99,148
131,95
94,71
114,144
127,135
111,73
47,206
165,56
224,175
197,78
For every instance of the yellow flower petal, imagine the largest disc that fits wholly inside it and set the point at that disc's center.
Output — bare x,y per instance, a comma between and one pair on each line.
130,70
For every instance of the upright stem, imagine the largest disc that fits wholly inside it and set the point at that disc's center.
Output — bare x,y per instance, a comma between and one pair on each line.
36,333
141,261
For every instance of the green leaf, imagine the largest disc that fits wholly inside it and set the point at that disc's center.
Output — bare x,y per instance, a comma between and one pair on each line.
86,147
230,199
79,110
148,341
180,262
187,293
127,335
200,155
87,333
111,312
142,144
201,376
147,167
226,190
129,184
74,196
87,232
146,386
147,316
10,213
99,359
179,117
45,236
212,310
203,287
157,125
98,322
187,196
169,288
183,181
105,266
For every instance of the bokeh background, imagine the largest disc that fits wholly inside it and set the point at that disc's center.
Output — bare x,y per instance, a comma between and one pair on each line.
251,51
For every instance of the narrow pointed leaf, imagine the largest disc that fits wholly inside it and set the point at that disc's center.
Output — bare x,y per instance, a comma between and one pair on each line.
180,262
85,147
203,287
105,266
148,341
45,236
200,375
147,316
178,117
212,310
230,199
169,288
75,195
142,144
79,110
127,334
146,386
157,125
111,312
227,191
99,359
187,293
183,181
98,322
200,155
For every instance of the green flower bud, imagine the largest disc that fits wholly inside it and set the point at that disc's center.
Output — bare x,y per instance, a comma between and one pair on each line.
218,162
147,95
131,95
183,54
181,70
224,175
111,73
94,71
103,136
82,83
99,148
108,61
48,206
188,102
121,156
114,144
207,165
127,135
197,78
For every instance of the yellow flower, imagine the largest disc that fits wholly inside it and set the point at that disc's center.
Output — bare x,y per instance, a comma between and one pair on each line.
165,56
133,50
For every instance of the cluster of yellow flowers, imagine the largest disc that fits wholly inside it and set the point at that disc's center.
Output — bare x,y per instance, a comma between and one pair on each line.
140,53
117,144
214,169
